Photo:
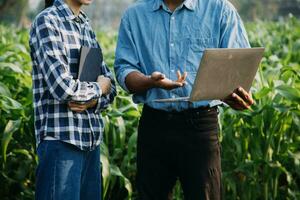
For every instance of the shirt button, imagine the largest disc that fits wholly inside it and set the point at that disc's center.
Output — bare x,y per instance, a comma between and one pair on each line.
172,70
173,96
173,18
77,20
172,44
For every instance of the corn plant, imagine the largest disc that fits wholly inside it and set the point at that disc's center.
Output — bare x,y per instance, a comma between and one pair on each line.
260,147
18,157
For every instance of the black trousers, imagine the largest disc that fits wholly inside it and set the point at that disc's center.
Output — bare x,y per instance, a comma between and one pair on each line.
180,145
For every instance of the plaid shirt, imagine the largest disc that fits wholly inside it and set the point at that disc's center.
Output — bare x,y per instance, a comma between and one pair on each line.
55,40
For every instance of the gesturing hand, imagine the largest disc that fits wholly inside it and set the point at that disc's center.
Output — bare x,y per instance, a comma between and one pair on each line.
161,81
239,99
76,107
105,84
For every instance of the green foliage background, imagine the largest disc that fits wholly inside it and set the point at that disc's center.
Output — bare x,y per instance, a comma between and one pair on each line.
260,148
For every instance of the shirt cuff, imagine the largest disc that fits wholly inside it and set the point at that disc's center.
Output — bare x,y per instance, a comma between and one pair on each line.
216,103
123,76
98,89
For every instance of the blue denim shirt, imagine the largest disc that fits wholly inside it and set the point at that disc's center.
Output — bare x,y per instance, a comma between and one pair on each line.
152,38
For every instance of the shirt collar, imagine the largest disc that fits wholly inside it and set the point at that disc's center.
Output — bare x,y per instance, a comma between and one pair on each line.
68,13
189,4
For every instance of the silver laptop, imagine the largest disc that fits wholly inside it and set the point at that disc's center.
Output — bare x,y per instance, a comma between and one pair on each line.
221,71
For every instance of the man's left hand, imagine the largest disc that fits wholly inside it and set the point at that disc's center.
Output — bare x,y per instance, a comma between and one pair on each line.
240,99
82,107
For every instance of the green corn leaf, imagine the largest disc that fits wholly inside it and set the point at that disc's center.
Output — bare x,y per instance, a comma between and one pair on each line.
131,143
127,184
20,47
23,152
15,68
105,172
11,127
4,90
106,123
9,104
262,93
121,133
115,113
133,113
289,92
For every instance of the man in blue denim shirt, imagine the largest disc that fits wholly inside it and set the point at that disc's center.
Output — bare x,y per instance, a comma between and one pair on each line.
158,40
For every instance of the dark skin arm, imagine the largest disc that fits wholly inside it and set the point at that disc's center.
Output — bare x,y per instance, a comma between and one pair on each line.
137,82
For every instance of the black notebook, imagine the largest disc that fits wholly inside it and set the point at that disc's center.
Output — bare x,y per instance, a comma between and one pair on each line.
90,63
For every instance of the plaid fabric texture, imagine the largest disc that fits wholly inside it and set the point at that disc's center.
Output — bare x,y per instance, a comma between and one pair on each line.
55,40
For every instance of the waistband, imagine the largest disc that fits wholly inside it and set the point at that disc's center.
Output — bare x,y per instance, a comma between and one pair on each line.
194,112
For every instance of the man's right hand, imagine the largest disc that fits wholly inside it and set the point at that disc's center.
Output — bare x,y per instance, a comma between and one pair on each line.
105,84
161,81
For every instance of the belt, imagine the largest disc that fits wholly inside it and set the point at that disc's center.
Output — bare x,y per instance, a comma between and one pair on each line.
193,112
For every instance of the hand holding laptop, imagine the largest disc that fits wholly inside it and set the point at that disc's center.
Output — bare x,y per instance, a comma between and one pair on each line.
220,72
240,99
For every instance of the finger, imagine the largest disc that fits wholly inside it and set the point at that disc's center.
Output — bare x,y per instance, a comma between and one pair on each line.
245,95
176,84
78,106
251,98
76,110
72,104
234,105
179,75
240,101
184,77
173,85
228,98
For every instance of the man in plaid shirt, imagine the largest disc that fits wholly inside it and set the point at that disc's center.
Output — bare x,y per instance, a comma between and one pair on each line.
68,124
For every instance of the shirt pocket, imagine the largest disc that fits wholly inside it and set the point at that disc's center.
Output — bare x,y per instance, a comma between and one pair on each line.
196,50
201,44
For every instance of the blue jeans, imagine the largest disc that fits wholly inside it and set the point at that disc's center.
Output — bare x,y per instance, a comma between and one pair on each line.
65,172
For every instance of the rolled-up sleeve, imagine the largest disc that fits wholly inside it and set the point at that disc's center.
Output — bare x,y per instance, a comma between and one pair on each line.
126,60
105,100
233,32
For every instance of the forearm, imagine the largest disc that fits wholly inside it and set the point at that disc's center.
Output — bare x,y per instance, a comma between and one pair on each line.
137,82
